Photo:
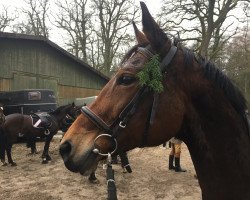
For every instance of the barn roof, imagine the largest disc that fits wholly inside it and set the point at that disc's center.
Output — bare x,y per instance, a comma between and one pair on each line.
53,45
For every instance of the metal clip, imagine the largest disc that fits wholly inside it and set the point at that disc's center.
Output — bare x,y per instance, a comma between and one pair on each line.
96,151
47,132
109,159
104,166
122,125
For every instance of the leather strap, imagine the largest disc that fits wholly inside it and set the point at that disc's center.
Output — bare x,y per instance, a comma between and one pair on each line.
146,52
96,120
168,58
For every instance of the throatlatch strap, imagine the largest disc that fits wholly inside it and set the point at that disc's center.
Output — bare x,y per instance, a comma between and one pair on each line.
154,106
165,62
145,133
168,58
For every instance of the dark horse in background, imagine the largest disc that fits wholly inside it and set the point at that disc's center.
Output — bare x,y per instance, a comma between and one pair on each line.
199,105
2,120
19,124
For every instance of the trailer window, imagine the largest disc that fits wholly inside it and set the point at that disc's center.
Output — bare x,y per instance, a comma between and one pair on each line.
34,96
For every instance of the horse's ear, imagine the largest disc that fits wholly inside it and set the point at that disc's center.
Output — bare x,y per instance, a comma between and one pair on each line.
151,29
140,37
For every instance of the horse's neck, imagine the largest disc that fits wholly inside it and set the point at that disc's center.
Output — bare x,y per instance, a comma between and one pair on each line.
59,116
220,149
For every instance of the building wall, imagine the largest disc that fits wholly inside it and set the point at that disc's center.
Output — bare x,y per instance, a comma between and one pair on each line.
29,64
4,84
67,92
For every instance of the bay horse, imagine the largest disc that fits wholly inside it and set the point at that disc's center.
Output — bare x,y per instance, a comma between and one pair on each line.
199,105
18,124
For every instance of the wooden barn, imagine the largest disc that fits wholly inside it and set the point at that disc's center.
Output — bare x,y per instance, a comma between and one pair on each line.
32,62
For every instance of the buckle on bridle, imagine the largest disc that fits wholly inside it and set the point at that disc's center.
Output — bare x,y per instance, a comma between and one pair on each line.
97,151
122,124
47,132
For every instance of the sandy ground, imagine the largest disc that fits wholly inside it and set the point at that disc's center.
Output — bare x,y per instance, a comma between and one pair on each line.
30,180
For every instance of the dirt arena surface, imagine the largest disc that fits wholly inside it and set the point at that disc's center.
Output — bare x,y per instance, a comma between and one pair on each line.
30,180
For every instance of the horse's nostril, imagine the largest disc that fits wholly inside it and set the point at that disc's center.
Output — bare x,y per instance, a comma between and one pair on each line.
65,149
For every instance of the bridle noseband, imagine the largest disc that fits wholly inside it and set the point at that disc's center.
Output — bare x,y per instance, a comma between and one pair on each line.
129,110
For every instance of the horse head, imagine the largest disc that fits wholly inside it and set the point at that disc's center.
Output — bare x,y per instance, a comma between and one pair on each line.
124,103
75,112
140,106
70,110
62,111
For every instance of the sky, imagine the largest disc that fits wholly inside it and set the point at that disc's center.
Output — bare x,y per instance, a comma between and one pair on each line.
153,5
55,35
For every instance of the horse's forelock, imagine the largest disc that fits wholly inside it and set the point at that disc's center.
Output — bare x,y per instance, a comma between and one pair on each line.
131,52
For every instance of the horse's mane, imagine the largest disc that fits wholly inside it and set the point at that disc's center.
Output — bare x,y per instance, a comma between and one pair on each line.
221,81
59,109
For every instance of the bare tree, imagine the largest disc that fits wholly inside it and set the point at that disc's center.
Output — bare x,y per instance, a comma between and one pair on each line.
206,22
111,31
97,29
237,62
75,20
37,14
5,18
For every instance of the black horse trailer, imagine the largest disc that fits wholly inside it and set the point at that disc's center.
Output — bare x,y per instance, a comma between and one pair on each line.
28,101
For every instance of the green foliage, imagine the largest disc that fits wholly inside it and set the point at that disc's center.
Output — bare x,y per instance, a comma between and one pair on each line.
151,75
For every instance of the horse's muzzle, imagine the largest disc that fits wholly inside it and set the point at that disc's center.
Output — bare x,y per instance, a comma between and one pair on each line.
80,163
65,151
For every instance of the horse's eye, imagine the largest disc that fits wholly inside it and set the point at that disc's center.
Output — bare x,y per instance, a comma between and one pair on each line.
126,80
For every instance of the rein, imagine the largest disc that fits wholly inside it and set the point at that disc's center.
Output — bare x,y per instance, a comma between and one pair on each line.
126,114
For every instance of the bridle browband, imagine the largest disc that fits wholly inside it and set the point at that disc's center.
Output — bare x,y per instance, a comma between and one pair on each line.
130,108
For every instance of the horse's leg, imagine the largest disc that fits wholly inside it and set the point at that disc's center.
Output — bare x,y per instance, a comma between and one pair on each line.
32,142
3,158
28,143
8,150
33,148
2,146
45,155
92,178
115,159
4,163
125,162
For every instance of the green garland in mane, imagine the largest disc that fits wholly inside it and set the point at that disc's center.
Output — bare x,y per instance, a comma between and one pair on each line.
151,75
